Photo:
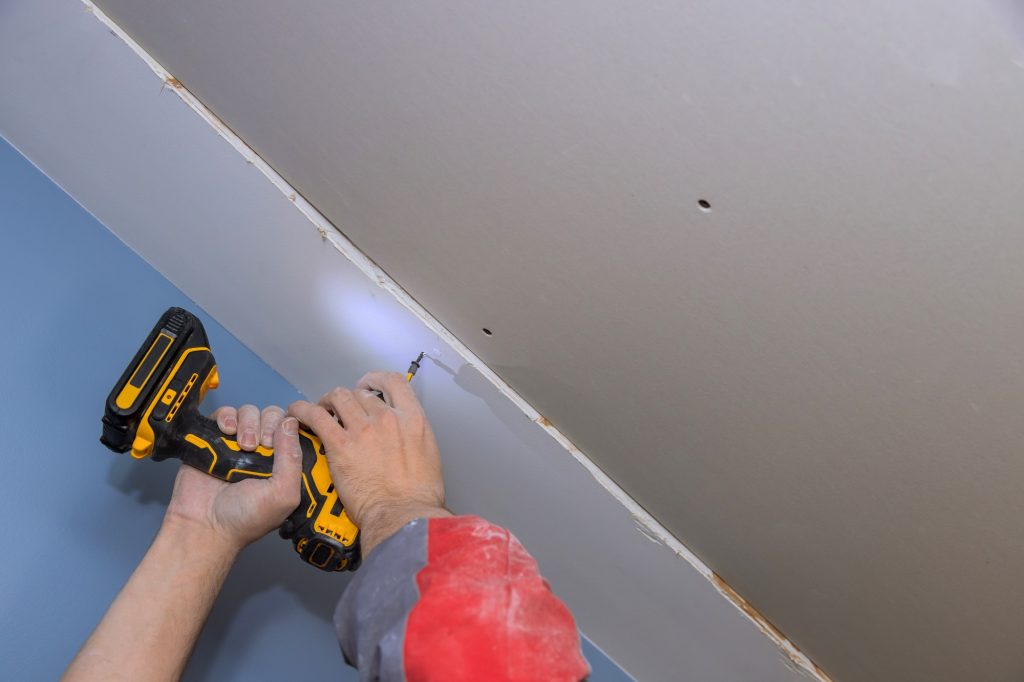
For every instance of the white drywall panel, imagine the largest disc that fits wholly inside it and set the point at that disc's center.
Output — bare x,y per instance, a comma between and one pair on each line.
818,384
86,109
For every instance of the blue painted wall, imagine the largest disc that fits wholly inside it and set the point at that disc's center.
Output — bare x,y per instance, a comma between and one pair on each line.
75,303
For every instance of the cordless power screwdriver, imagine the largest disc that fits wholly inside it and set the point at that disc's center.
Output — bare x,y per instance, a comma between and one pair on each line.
153,411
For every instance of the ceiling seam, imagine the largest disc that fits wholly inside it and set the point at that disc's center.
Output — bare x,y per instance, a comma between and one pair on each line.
329,232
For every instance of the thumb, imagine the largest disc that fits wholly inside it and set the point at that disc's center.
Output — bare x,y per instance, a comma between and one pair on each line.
287,464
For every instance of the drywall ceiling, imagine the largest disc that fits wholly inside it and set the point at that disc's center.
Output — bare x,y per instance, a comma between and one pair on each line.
816,385
140,153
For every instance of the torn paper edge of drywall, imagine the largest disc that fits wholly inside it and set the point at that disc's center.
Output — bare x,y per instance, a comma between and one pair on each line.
646,524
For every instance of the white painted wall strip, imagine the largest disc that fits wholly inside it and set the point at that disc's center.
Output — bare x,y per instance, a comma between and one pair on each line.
666,611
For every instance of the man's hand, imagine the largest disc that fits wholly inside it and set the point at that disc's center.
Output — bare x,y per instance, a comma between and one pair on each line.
240,513
382,454
163,606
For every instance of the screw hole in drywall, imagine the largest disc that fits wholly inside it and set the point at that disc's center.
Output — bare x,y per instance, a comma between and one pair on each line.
705,205
487,332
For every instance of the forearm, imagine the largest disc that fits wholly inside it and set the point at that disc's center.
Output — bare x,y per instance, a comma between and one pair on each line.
150,629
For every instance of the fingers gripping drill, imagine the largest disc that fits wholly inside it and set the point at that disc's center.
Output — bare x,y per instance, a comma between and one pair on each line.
153,410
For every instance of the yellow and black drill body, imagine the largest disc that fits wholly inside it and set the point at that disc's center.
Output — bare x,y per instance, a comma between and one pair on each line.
153,411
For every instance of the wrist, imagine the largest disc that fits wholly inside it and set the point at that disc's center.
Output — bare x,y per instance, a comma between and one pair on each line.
201,542
380,522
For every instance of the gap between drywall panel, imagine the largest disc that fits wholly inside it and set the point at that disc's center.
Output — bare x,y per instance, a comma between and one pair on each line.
646,524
